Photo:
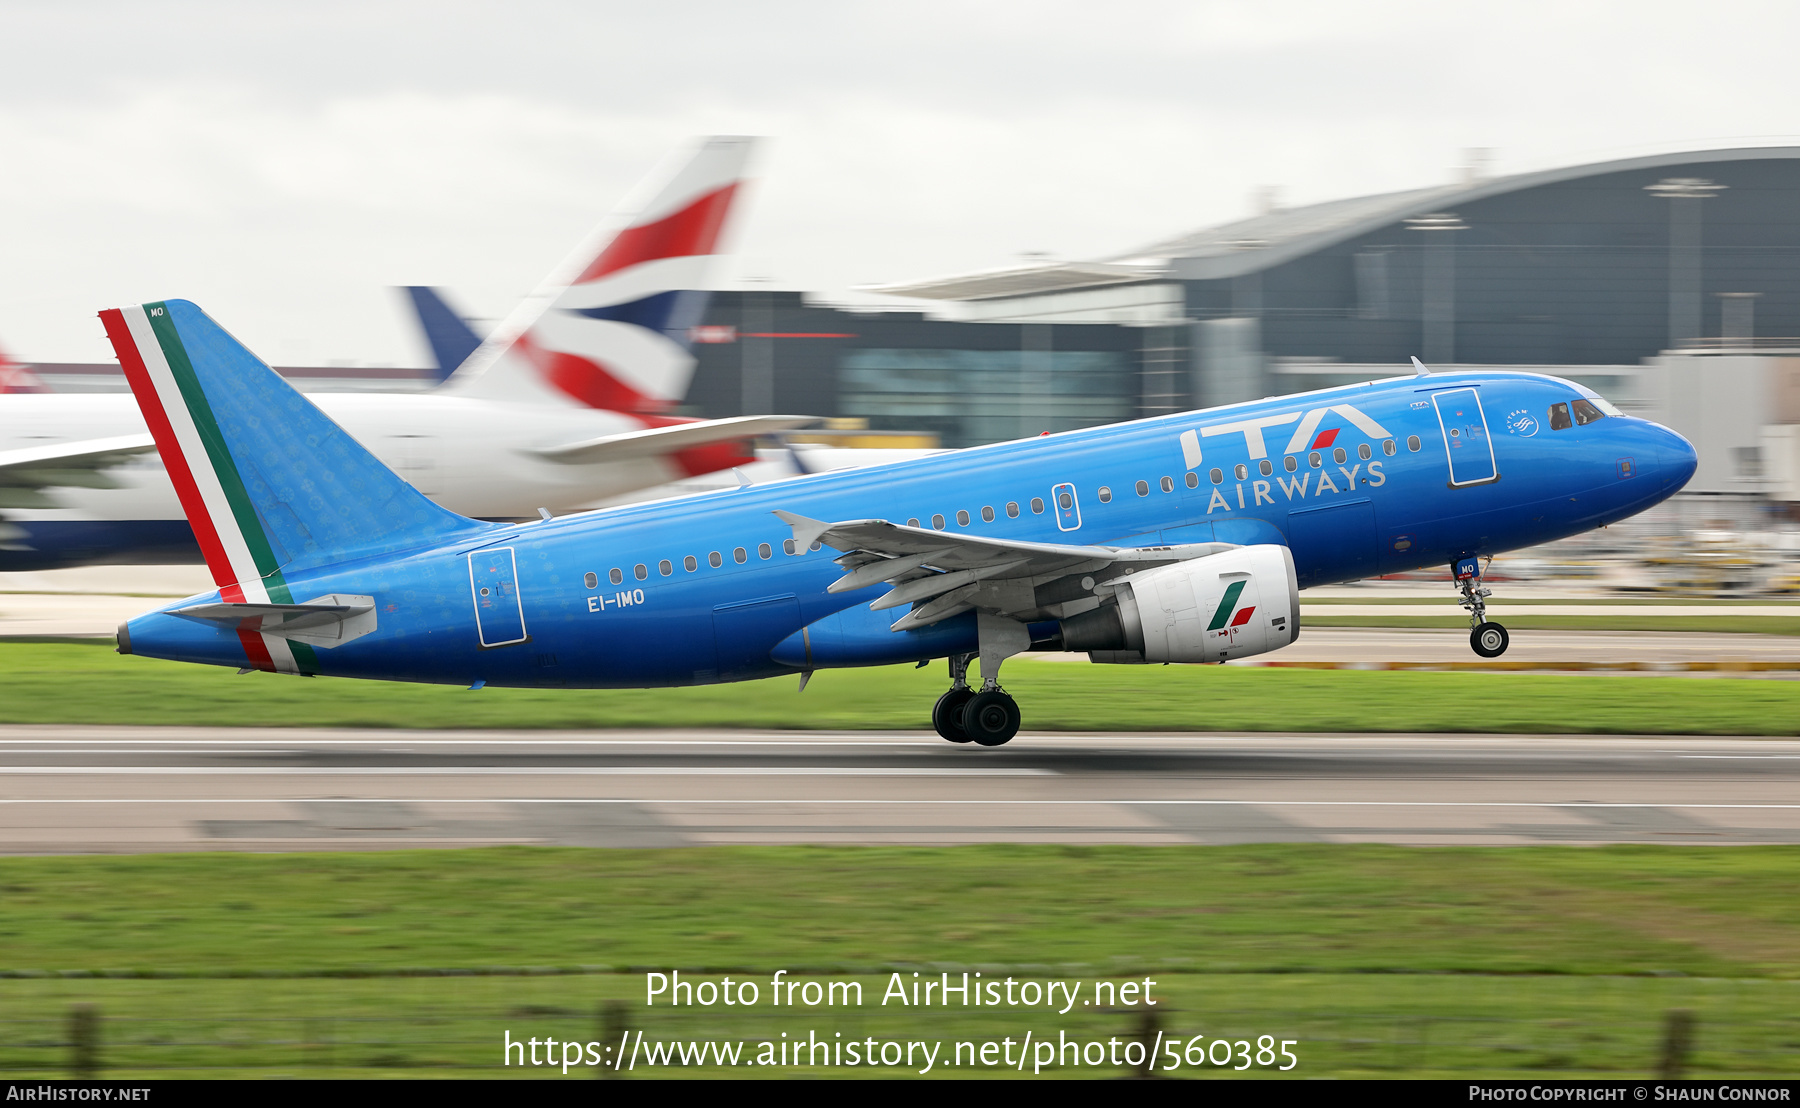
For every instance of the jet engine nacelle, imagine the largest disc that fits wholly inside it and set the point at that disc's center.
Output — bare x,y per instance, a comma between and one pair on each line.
1230,605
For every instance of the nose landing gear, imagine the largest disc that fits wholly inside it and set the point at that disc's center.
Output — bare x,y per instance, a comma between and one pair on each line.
1487,639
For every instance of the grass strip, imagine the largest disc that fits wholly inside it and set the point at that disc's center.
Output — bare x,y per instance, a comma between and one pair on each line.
1290,908
71,683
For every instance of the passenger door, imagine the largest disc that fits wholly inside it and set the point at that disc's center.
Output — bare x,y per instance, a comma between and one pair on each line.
1469,447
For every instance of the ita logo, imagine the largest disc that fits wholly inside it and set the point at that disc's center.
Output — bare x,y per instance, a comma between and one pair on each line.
1522,423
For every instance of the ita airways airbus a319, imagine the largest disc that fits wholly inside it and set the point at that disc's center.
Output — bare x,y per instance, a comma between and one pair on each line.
1183,538
565,406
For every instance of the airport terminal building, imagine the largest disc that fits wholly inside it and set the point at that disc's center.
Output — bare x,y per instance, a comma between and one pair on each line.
1669,283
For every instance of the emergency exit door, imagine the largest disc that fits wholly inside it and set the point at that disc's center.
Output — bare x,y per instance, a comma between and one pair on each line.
494,583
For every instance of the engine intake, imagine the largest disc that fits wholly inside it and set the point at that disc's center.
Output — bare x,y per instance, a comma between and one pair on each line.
1230,605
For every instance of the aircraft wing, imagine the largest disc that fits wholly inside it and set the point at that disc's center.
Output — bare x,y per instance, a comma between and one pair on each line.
79,464
663,440
944,574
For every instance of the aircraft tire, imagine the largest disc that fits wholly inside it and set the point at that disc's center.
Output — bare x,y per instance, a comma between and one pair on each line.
947,713
1489,640
992,718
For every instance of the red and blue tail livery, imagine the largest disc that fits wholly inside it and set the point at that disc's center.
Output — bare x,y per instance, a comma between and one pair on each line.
1182,538
610,329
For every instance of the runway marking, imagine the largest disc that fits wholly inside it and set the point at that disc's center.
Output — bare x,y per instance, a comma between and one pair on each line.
530,771
873,801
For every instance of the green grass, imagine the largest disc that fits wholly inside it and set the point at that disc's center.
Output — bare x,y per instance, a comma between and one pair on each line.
70,683
1288,908
1378,960
62,682
1343,1026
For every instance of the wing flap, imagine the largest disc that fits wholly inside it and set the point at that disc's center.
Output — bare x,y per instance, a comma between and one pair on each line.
944,574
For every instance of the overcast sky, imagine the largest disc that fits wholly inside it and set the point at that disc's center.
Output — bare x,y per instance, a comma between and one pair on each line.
284,164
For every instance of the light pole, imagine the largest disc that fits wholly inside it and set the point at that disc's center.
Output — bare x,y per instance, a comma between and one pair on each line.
1684,195
1438,306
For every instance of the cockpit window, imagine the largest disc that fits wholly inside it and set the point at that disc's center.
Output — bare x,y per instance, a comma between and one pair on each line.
1586,413
1559,417
1606,406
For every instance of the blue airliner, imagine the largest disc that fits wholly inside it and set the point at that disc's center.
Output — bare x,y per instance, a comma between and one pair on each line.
1183,538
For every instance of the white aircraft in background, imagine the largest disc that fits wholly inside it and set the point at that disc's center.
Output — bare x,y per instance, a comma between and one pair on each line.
565,406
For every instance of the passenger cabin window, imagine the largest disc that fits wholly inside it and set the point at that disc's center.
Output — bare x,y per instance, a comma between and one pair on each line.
664,567
591,581
640,571
1364,452
788,547
740,555
714,560
1012,509
1105,495
912,523
937,523
763,551
1193,480
1339,456
1388,447
1168,484
617,577
1242,471
690,563
1412,443
1586,413
1290,463
1314,460
1559,417
1143,488
1064,501
1265,467
962,519
1037,505
987,514
1218,476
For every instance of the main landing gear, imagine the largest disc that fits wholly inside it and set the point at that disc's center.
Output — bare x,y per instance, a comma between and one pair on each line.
989,717
1486,639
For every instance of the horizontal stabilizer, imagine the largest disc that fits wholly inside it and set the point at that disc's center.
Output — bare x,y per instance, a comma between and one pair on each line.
663,440
324,621
70,464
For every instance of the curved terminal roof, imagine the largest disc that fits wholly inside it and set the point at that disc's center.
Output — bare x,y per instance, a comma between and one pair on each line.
1249,245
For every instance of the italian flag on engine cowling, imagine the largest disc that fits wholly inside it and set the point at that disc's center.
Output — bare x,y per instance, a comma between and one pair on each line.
206,478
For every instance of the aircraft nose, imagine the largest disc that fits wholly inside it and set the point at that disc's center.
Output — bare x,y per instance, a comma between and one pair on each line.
1676,459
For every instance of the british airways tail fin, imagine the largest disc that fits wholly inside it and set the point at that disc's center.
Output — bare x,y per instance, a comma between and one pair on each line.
14,377
270,485
609,328
448,334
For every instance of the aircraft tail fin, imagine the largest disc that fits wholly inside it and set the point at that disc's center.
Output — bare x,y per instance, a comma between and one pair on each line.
609,328
15,377
448,334
269,483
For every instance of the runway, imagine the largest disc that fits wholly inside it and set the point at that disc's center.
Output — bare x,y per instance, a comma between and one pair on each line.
125,790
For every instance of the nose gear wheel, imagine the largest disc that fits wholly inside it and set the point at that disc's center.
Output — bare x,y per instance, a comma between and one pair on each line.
1488,640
